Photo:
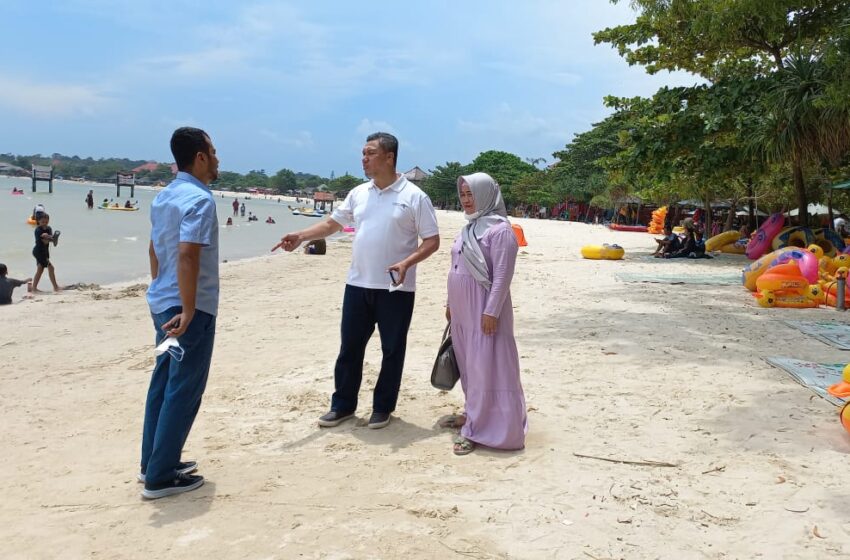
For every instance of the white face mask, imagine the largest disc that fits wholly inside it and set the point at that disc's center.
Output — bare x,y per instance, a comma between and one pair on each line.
172,346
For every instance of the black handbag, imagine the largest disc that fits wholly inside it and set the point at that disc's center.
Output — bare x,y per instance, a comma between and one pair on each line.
445,373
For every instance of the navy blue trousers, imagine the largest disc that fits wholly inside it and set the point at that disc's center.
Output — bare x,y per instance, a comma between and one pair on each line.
362,309
174,395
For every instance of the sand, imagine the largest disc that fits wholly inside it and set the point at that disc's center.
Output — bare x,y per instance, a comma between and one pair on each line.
754,464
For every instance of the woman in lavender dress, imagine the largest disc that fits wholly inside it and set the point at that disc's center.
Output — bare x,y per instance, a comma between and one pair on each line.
482,319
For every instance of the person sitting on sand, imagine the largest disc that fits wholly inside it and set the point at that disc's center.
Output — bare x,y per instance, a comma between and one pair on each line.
229,222
667,244
7,285
128,204
270,220
105,203
693,247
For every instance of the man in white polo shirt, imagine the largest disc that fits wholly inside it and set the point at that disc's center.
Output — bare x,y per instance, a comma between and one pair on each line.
390,215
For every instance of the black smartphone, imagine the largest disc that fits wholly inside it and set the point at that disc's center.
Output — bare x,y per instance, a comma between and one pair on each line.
393,277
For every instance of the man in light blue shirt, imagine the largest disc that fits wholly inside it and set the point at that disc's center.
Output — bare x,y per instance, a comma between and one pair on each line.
183,299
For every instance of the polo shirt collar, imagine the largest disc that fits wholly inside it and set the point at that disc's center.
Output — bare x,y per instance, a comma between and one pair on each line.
399,184
188,177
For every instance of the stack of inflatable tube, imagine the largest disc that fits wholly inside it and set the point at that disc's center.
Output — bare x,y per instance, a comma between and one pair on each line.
658,217
758,267
603,252
784,285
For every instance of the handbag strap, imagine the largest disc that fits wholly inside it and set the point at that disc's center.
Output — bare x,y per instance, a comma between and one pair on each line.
447,331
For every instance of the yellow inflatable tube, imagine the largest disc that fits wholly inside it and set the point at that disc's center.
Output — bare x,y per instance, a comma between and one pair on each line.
721,239
756,268
603,252
734,248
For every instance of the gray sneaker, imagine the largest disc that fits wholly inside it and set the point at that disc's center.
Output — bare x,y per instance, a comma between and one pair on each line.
334,418
182,468
379,420
183,483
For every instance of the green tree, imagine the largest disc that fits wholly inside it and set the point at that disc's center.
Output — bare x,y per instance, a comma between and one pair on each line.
504,167
344,183
742,39
284,180
715,37
799,126
441,185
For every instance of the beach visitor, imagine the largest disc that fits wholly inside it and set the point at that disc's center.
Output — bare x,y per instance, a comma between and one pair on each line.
242,210
840,224
235,207
316,247
482,322
8,285
667,244
90,200
128,204
229,221
44,236
37,211
105,203
183,300
270,220
391,214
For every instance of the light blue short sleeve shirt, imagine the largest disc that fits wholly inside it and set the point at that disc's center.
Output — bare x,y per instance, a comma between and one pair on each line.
184,212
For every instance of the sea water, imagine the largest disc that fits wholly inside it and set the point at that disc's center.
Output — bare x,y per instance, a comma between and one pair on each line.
106,246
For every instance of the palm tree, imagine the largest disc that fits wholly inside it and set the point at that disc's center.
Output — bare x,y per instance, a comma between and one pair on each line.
800,126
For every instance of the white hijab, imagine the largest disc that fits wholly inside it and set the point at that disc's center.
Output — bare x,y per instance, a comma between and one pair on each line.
489,211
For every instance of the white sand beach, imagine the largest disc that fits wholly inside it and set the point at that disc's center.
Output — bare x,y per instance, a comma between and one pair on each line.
751,465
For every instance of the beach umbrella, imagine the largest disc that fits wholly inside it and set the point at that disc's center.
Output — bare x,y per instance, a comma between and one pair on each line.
745,212
814,210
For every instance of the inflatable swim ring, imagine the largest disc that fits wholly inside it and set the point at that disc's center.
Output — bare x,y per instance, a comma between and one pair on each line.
783,277
795,301
756,268
806,260
603,252
734,248
793,237
721,239
829,241
760,243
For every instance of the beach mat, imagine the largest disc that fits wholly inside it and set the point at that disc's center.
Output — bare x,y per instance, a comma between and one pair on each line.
710,280
828,332
816,377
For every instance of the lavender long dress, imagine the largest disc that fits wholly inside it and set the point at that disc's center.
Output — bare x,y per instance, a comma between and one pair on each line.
489,365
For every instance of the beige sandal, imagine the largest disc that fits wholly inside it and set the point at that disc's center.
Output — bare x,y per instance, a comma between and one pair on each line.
463,446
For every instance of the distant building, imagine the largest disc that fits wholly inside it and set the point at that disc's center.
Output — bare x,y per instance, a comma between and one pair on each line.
152,165
9,169
415,175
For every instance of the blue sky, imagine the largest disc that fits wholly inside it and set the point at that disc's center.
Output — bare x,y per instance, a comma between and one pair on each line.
300,84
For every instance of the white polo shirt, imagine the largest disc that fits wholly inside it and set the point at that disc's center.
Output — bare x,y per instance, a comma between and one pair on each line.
388,225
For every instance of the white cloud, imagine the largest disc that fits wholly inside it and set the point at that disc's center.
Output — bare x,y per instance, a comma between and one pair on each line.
53,99
367,127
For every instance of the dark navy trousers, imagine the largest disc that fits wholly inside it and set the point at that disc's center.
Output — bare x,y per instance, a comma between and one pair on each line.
174,395
362,309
